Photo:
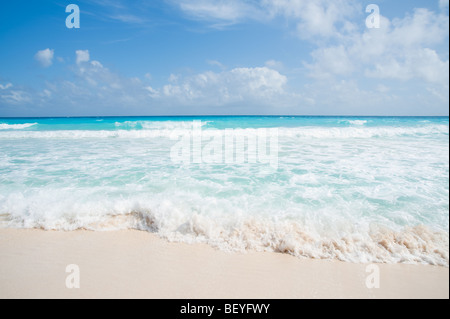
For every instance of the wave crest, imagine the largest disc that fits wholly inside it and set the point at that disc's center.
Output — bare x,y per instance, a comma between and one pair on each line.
16,126
306,132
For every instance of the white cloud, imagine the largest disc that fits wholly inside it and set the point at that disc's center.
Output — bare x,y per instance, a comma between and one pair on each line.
423,27
248,87
382,88
95,85
173,78
16,97
261,84
12,96
46,93
324,18
128,18
245,90
217,64
423,64
330,61
95,74
401,49
443,4
276,65
6,86
82,56
220,11
45,57
152,92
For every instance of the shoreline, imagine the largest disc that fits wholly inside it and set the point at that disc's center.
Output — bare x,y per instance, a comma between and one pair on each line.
136,264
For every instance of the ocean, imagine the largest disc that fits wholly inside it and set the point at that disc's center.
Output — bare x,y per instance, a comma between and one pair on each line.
355,189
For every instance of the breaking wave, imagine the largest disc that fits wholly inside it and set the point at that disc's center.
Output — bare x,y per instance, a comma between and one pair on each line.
16,126
359,243
304,132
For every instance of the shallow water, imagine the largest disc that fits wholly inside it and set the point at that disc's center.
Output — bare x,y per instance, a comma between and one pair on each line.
348,188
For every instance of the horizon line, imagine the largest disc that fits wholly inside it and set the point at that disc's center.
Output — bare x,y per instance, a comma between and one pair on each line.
160,116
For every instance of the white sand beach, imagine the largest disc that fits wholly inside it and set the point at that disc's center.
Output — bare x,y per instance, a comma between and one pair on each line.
133,264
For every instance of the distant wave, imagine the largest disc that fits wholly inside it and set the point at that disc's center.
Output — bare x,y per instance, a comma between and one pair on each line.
156,125
354,122
16,126
358,122
154,131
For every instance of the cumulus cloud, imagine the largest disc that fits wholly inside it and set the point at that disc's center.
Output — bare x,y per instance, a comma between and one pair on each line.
95,84
401,49
45,57
331,61
323,18
82,56
424,64
260,84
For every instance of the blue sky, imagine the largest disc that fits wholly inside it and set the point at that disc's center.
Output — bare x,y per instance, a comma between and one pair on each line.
217,57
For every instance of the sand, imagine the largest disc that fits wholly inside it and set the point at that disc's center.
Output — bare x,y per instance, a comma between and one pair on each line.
133,264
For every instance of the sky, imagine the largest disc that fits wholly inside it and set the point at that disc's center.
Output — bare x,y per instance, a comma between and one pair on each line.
224,57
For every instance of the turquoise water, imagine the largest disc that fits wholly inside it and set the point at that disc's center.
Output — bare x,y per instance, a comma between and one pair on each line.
359,189
139,123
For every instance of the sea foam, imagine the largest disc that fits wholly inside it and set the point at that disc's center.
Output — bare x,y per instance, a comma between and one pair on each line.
303,132
16,126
